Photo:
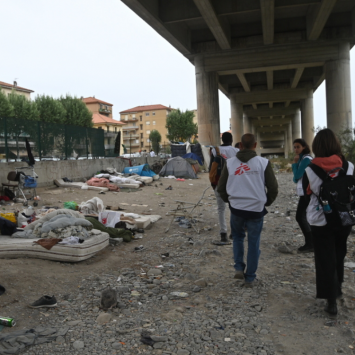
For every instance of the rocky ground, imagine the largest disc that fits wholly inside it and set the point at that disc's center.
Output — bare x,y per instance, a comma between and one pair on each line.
211,314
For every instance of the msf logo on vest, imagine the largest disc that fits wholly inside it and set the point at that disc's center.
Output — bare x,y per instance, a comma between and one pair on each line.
242,169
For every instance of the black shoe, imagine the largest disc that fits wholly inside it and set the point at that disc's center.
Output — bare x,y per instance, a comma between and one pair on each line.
224,238
331,307
44,302
306,249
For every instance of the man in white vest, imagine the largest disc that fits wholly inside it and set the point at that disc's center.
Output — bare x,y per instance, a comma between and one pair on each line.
226,150
248,184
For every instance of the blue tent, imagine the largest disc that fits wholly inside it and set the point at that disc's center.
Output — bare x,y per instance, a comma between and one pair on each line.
193,156
141,170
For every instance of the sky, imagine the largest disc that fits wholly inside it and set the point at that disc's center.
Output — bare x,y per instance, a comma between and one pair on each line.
101,48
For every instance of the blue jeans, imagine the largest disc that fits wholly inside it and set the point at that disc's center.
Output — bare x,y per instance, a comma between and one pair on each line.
254,227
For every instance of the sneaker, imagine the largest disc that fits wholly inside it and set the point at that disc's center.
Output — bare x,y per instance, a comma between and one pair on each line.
239,275
251,284
44,302
306,249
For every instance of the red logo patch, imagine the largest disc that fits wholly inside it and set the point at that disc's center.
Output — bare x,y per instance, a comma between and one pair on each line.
242,169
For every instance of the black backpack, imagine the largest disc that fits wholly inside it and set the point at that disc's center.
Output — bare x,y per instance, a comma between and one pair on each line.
337,195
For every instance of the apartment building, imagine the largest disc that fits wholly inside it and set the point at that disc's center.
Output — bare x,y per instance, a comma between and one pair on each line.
140,121
8,88
102,119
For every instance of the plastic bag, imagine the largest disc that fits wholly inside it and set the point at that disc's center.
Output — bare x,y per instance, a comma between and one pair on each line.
71,205
109,218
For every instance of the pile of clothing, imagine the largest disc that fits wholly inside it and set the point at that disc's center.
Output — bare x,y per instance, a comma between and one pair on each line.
59,224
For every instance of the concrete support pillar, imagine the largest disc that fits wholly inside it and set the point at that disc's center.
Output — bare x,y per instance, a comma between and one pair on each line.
338,90
252,127
207,104
258,141
307,118
247,128
296,125
286,145
289,137
237,125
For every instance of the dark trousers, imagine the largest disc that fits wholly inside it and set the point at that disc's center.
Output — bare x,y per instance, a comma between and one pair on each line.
329,253
302,220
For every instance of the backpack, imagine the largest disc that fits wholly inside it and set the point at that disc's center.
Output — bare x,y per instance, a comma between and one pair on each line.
216,167
337,195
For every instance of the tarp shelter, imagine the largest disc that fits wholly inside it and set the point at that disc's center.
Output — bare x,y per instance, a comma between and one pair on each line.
194,157
141,170
178,167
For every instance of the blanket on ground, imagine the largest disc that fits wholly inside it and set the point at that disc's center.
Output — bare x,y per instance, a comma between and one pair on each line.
93,206
102,183
113,232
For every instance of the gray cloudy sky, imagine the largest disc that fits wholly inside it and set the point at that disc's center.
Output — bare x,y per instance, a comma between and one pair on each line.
101,48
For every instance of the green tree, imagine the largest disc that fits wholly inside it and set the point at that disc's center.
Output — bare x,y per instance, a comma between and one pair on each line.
77,114
6,109
50,109
155,138
23,111
180,126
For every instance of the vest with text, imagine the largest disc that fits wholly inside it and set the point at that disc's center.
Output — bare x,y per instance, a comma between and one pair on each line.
246,184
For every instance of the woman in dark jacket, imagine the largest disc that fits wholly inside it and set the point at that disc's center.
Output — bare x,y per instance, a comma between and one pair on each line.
329,241
301,161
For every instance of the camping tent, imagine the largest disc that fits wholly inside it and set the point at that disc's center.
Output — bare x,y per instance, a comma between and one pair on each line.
141,170
178,167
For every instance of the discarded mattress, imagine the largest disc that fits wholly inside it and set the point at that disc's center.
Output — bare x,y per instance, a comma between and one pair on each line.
79,185
141,170
18,248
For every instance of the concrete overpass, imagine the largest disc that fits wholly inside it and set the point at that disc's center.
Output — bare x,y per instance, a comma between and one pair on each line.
267,56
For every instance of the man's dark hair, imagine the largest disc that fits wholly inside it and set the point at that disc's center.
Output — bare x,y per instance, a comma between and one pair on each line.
227,138
306,149
326,144
248,141
237,145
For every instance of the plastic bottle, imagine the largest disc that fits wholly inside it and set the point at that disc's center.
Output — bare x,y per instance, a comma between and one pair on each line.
326,207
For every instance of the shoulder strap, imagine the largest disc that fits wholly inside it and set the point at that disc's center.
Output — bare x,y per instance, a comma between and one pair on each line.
218,153
318,171
345,166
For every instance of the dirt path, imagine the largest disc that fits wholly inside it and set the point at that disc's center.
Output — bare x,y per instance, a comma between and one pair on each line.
279,317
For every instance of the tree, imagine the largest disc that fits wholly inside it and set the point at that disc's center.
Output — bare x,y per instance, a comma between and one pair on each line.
155,138
76,112
50,109
6,109
180,126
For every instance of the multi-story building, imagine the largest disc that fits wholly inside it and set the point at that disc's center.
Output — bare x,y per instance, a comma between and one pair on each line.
102,119
8,88
140,121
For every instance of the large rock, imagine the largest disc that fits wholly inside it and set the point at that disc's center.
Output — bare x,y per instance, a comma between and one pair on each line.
154,272
78,344
103,318
201,283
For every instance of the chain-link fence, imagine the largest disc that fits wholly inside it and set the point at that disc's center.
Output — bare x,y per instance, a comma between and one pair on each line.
48,141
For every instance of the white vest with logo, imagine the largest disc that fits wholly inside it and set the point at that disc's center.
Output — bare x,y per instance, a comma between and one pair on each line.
227,151
246,184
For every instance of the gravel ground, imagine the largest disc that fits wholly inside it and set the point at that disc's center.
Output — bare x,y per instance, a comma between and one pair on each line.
217,315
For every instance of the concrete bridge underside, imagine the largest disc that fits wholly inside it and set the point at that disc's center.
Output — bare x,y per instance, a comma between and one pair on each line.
267,56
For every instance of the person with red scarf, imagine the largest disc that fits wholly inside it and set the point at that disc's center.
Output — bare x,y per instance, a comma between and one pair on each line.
329,241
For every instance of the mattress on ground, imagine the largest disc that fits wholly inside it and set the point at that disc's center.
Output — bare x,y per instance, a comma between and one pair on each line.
79,185
18,248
